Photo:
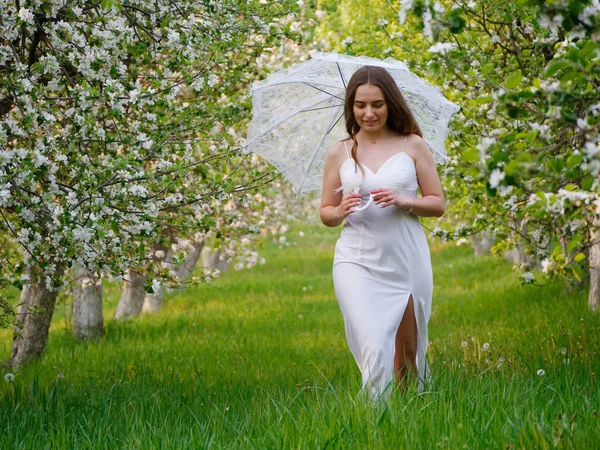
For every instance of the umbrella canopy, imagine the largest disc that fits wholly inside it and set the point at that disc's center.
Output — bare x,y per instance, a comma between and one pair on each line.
298,113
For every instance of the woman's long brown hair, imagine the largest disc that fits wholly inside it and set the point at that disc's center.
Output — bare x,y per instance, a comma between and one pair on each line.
400,117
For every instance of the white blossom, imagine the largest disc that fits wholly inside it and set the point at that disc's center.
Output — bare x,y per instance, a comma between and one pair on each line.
484,144
212,80
496,177
5,194
591,149
439,8
528,277
542,128
405,7
26,15
442,48
547,265
427,26
462,241
589,12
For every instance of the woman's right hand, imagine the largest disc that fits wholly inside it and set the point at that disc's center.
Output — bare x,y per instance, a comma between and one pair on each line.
348,205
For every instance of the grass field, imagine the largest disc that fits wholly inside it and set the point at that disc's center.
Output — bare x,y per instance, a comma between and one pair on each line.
258,360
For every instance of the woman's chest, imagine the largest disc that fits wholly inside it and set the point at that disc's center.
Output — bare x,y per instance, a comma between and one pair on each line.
398,172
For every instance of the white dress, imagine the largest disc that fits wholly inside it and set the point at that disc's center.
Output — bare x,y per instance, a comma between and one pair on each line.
381,259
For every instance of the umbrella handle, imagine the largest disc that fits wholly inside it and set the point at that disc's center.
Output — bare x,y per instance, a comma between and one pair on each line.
362,208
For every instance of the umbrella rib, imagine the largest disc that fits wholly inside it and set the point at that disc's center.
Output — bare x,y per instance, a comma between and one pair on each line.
322,107
322,90
336,122
341,75
312,160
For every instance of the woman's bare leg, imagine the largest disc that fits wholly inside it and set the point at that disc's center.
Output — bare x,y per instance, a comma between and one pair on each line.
405,358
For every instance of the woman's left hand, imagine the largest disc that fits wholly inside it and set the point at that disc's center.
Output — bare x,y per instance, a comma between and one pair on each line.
387,197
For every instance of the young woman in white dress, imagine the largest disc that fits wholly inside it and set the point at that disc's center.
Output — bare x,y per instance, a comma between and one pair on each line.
382,268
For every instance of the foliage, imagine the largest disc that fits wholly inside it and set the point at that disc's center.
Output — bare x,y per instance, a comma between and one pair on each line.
525,148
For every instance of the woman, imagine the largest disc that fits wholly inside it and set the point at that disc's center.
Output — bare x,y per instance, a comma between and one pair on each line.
382,268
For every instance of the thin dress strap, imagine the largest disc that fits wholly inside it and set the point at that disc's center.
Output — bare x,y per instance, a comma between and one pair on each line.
346,148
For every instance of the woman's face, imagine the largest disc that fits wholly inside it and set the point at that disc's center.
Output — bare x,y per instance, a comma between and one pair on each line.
369,107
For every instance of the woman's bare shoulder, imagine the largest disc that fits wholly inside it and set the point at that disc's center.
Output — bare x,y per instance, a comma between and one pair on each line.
416,146
337,151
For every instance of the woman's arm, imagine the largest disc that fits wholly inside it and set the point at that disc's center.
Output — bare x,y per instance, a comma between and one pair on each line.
334,207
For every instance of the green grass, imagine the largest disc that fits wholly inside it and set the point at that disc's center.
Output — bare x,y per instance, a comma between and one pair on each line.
258,360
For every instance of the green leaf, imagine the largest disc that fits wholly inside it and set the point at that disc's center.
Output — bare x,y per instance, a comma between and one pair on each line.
523,135
574,242
587,182
556,165
587,47
579,257
470,155
456,22
484,99
523,157
572,75
511,167
486,68
557,250
541,196
574,160
578,272
513,80
107,4
554,66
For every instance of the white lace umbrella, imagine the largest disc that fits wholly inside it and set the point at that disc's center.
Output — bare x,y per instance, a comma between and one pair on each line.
298,113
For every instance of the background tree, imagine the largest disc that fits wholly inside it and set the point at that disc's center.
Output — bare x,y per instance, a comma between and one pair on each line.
105,126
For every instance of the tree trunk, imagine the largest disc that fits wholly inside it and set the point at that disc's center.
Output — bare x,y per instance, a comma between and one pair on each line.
87,306
132,297
517,256
184,271
482,243
594,255
153,301
33,318
212,261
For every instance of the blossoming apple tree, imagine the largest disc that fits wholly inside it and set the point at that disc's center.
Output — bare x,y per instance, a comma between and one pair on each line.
106,110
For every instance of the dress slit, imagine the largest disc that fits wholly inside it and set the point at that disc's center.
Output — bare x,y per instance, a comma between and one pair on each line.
410,296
